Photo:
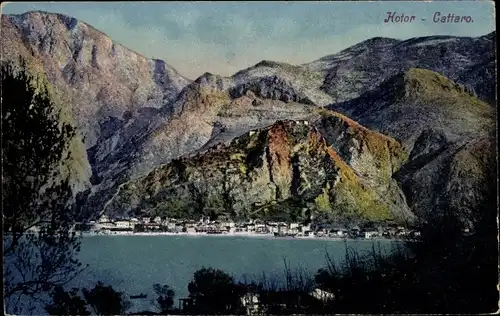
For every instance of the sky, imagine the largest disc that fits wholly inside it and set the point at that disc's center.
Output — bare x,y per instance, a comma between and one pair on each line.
225,37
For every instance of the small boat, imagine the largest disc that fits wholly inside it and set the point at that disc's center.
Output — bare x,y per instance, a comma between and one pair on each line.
142,295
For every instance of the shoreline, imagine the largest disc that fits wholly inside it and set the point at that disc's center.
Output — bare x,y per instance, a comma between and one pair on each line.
244,235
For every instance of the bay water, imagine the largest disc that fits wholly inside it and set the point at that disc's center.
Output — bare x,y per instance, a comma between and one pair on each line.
132,264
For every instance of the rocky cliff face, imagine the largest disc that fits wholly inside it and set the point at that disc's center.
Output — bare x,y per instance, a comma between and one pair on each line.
373,156
458,178
273,171
416,100
482,77
112,94
293,83
100,78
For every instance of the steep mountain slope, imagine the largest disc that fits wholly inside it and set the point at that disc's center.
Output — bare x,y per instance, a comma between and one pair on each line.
483,77
449,133
100,78
280,170
363,67
373,156
458,178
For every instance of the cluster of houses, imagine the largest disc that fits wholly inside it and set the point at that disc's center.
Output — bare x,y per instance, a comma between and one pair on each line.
353,232
158,224
106,225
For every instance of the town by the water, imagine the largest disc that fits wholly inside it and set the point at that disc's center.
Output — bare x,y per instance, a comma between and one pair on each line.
250,228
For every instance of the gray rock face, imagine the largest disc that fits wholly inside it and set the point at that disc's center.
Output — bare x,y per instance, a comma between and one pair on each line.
429,142
273,88
482,77
410,102
460,178
283,82
99,77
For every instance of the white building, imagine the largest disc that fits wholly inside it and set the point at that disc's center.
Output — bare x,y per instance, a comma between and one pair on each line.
171,226
124,224
227,224
104,219
283,229
157,220
341,233
370,234
306,228
251,302
106,226
338,232
293,231
322,295
273,228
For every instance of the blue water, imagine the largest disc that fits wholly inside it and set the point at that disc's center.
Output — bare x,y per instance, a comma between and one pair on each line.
132,264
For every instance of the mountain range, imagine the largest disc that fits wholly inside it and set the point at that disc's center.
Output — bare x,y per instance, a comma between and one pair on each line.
383,131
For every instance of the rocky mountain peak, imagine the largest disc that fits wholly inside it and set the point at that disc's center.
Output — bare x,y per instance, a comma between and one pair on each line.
270,63
213,81
98,76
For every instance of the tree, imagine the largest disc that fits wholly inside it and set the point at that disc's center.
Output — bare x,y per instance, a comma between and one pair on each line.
35,141
66,303
104,300
214,292
165,298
